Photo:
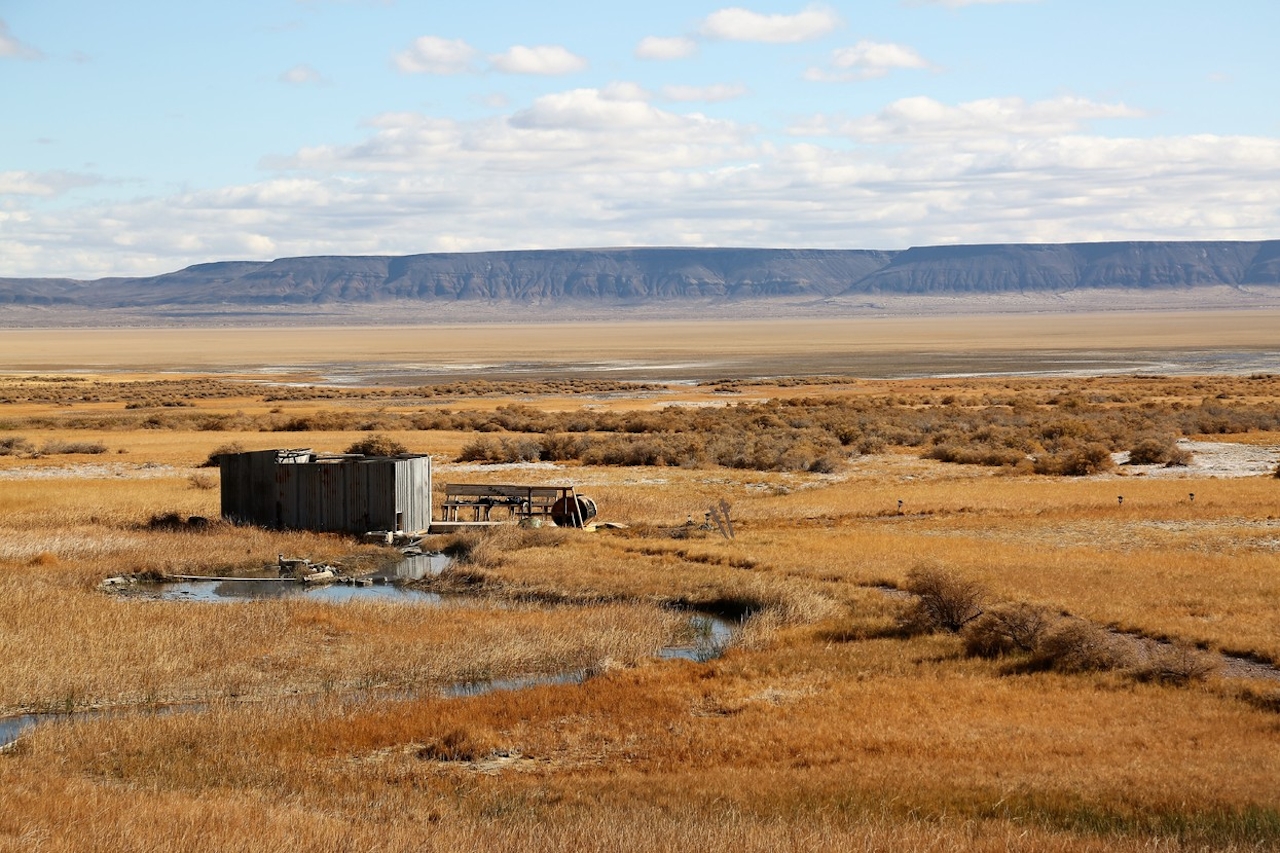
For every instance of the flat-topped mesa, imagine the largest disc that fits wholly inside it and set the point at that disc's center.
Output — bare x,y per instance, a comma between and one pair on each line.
1065,267
653,276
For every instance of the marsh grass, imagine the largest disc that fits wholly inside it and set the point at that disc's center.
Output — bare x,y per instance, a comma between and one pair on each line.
1037,754
823,726
130,651
1020,426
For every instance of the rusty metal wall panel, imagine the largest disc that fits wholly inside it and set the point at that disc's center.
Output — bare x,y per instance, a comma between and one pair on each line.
248,486
357,498
413,492
400,484
284,510
310,498
332,494
232,469
262,489
381,494
292,489
229,479
428,511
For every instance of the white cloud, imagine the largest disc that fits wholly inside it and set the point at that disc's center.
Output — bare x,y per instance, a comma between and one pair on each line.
301,75
435,55
493,100
11,48
867,60
43,184
625,91
919,118
581,131
656,47
708,94
958,4
591,109
547,59
590,167
738,24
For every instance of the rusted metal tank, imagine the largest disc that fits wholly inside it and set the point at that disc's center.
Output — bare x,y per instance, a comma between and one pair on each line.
573,510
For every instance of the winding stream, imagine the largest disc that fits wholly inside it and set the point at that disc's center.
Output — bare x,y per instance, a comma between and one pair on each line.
710,633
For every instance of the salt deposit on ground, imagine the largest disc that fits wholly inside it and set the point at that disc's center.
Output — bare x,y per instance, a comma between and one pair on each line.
1210,459
92,471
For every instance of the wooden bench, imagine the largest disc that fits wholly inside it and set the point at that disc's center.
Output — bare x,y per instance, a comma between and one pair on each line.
518,501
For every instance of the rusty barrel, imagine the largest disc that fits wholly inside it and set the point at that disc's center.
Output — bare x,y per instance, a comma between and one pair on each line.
573,512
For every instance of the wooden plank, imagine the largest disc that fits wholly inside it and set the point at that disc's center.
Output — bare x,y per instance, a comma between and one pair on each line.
508,491
456,526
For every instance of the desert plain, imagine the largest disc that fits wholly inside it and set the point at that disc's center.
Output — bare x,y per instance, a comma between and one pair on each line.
991,583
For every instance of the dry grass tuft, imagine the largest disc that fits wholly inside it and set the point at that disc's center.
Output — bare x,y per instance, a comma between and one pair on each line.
460,744
204,482
945,601
88,448
1158,450
15,445
212,460
490,548
377,445
1046,640
1177,664
1076,646
1007,629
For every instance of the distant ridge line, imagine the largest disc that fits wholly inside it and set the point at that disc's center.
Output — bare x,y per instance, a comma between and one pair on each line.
662,275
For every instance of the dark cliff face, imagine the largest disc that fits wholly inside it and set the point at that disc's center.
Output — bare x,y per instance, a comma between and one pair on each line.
650,275
40,291
550,276
1071,266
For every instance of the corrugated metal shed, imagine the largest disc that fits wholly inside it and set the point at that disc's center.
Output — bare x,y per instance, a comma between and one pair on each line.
302,490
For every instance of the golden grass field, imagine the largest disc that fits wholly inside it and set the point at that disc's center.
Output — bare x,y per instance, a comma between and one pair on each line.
826,725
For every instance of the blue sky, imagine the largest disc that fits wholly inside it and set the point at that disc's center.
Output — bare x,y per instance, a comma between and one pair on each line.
140,137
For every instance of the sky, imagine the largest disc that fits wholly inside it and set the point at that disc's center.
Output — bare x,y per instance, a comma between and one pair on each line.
140,137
